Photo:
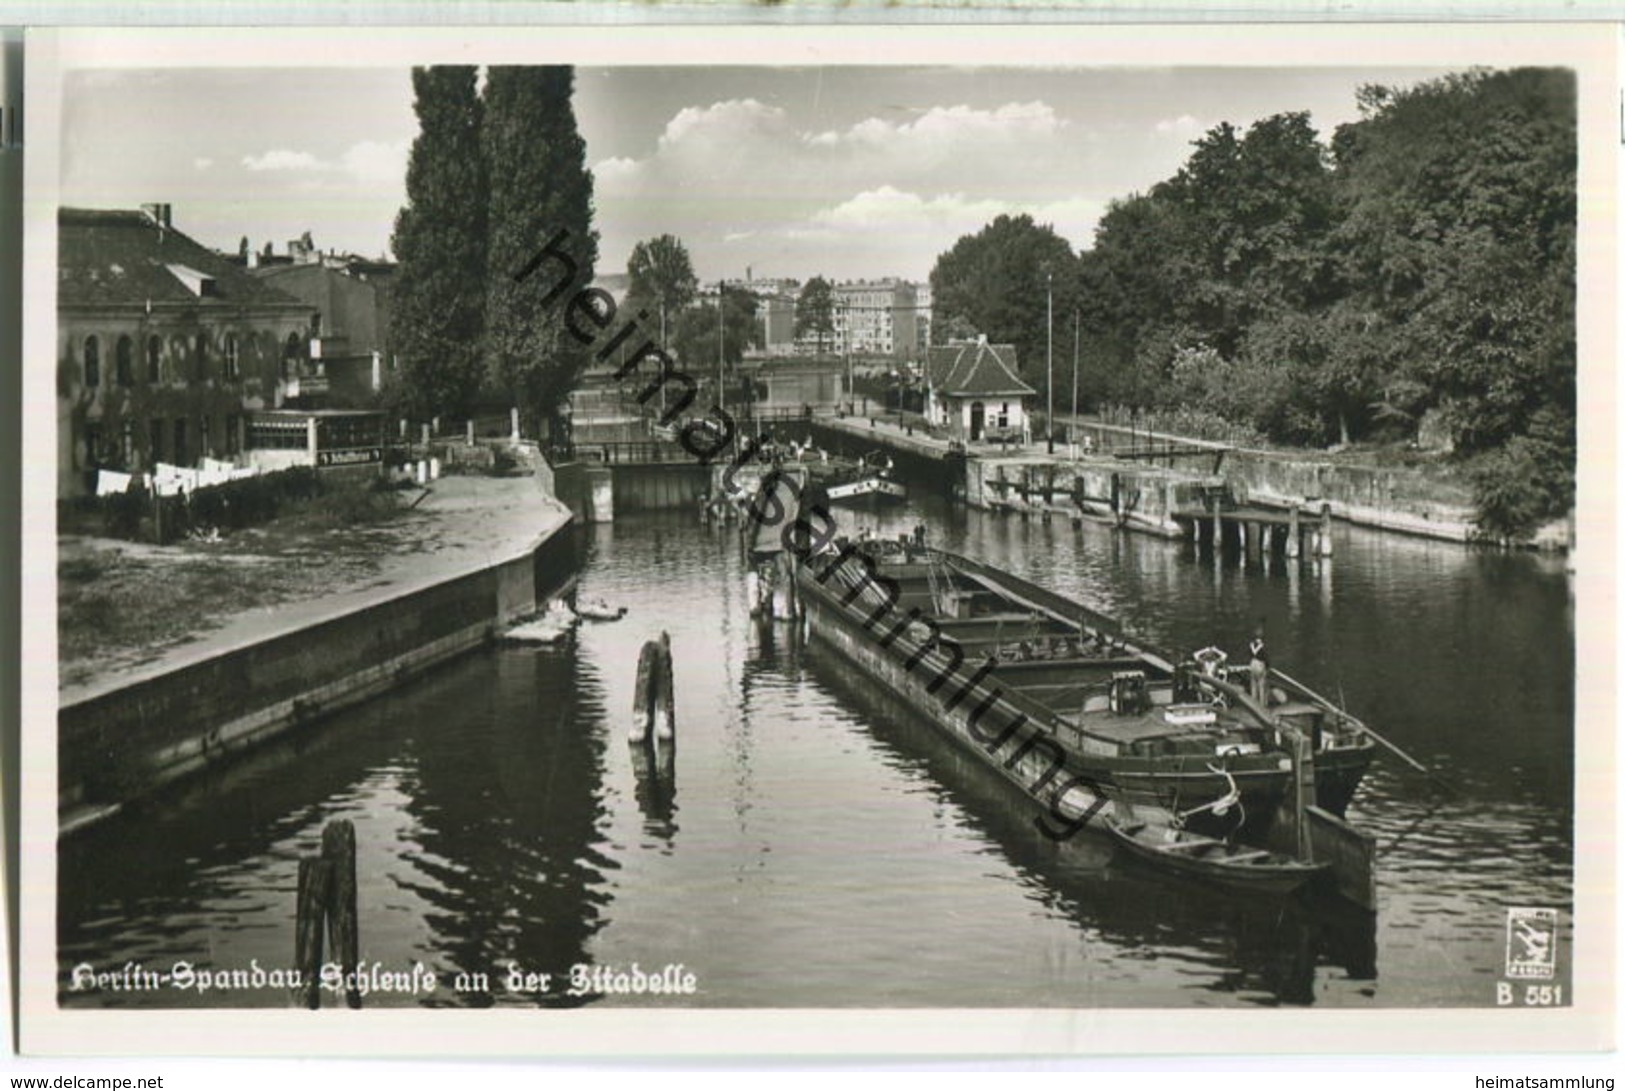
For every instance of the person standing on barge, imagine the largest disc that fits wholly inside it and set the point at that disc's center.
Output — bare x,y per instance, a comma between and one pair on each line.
1258,668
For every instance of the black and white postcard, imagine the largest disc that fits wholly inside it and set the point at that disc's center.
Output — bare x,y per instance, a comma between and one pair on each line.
901,539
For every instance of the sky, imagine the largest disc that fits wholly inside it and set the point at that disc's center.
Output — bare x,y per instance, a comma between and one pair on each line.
845,172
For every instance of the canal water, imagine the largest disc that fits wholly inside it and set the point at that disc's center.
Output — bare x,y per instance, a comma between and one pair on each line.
817,845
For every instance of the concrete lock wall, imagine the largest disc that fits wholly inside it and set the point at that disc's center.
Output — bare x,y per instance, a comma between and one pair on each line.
124,743
1390,498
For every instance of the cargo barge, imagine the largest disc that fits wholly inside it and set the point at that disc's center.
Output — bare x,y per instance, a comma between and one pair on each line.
1086,720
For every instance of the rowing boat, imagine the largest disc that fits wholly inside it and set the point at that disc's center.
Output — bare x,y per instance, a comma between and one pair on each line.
1212,859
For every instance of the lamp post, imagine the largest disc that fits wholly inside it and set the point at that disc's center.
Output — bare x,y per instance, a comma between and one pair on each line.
1049,365
1074,385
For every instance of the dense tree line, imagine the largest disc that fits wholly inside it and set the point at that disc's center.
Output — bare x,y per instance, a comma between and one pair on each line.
494,175
1420,264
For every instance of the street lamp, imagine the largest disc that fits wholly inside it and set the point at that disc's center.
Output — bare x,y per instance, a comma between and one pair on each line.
1049,366
1074,385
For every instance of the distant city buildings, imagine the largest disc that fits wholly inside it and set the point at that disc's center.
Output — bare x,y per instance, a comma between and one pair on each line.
876,316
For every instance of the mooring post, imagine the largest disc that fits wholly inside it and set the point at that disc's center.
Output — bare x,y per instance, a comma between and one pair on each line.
471,433
665,719
309,917
343,925
643,692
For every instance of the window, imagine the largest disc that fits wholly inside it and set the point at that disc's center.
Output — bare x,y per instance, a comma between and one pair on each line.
93,445
201,359
155,441
203,447
232,370
93,362
290,353
122,362
179,448
155,355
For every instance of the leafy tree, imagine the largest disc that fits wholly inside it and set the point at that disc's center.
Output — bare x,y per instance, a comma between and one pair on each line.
437,316
696,336
815,310
542,244
999,281
660,277
1458,234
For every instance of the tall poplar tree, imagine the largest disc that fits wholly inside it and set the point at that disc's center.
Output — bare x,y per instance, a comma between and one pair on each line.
542,244
437,319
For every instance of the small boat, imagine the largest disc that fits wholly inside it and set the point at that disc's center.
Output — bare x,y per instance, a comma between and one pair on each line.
599,610
869,479
549,627
1209,858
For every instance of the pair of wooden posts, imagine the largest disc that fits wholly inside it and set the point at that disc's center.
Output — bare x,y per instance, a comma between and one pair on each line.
326,909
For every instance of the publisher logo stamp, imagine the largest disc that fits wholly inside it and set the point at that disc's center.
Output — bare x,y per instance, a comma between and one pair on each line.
1531,942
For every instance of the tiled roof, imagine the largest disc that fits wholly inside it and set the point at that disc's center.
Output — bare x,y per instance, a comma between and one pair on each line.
112,256
968,368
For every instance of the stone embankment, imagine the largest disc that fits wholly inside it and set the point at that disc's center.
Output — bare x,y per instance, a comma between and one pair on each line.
494,548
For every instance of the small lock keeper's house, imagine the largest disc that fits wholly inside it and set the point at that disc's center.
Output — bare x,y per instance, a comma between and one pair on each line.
974,389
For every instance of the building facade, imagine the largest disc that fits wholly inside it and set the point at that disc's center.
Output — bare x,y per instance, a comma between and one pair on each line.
163,346
876,316
350,348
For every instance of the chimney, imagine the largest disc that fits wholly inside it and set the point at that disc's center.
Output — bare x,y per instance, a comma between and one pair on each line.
159,214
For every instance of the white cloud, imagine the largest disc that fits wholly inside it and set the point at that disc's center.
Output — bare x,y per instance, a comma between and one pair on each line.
1183,125
614,169
376,161
731,119
369,161
743,184
957,126
282,159
202,162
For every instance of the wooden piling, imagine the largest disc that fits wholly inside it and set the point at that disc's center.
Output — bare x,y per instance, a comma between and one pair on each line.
1325,549
643,702
343,927
665,717
315,879
1293,542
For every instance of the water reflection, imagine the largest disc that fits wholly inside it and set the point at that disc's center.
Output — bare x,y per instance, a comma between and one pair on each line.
1264,950
830,848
